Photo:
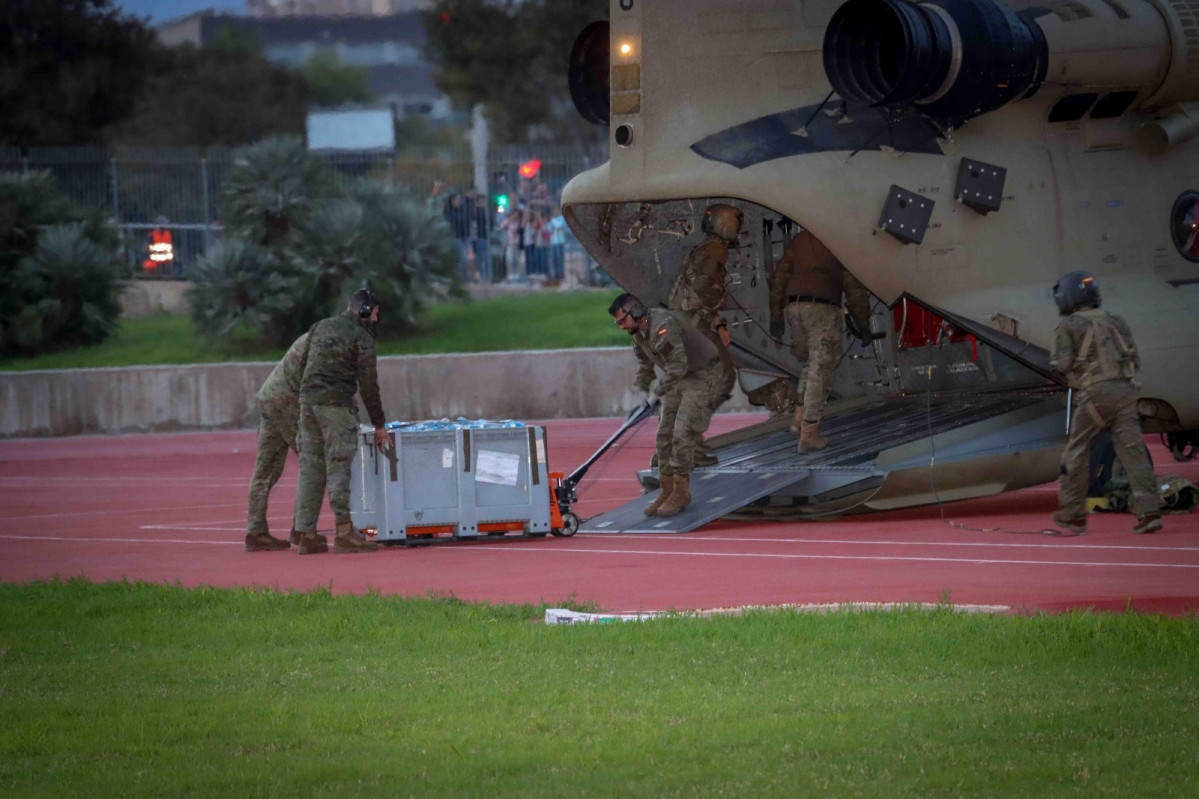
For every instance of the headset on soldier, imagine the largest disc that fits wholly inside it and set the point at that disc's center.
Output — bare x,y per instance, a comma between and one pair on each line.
629,304
366,300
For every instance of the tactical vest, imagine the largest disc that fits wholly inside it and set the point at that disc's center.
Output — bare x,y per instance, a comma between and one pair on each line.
1103,353
700,351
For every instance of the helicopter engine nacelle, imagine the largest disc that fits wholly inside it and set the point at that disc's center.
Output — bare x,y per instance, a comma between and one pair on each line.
956,59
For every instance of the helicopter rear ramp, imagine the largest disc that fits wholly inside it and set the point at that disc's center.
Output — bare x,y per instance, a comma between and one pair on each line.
883,454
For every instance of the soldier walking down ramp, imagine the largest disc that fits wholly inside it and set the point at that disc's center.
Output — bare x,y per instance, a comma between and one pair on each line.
1095,351
669,340
805,295
700,291
341,361
278,403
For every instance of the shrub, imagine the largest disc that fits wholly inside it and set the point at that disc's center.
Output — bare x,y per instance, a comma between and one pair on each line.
298,242
60,278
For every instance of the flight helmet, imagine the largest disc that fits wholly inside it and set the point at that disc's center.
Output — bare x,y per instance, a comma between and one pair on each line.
723,220
1076,290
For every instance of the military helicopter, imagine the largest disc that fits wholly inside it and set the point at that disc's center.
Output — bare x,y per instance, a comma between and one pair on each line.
958,157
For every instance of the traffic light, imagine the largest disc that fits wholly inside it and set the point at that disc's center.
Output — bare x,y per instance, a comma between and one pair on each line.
529,169
501,203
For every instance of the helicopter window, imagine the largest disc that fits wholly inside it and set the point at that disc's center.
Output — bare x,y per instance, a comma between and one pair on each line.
1184,225
1113,105
1072,107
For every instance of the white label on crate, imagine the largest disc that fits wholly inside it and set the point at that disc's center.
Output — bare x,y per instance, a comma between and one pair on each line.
541,450
447,458
501,468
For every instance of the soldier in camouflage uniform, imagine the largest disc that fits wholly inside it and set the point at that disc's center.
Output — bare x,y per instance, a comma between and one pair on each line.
691,362
700,290
805,291
341,361
1094,350
278,417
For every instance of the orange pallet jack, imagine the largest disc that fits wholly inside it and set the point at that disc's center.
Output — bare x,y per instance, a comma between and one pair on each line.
563,520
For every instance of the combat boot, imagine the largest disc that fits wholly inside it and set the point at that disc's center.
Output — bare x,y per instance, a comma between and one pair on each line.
1075,525
349,539
797,420
680,497
666,482
312,544
264,542
1148,524
810,439
294,536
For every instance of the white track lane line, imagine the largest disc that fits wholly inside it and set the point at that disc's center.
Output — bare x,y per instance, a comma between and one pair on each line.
117,512
1014,544
642,552
879,558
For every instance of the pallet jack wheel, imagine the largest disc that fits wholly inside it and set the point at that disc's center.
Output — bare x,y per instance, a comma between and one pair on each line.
570,526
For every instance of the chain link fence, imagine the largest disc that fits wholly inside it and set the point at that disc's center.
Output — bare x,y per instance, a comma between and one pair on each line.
179,190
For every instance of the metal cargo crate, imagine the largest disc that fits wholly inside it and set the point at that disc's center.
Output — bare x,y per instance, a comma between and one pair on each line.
456,481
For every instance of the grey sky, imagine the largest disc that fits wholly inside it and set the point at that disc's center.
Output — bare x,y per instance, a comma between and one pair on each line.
160,11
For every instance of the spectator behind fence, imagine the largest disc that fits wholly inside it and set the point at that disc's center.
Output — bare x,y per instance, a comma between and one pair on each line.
459,214
481,239
534,251
435,204
556,229
513,227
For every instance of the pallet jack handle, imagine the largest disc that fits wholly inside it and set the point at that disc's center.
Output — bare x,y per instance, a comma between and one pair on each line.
638,415
563,521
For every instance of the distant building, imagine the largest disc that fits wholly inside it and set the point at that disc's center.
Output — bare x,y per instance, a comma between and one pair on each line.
333,8
389,47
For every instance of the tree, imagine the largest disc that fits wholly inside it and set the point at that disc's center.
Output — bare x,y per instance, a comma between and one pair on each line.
225,95
297,242
332,82
69,69
511,56
59,275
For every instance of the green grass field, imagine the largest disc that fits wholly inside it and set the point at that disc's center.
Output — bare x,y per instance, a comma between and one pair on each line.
535,321
138,690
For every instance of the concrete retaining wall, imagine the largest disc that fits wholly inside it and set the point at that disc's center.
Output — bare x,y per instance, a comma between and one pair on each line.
146,297
507,385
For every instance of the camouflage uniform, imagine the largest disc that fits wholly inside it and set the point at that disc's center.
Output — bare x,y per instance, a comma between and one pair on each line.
341,361
806,290
693,369
1095,351
279,415
700,291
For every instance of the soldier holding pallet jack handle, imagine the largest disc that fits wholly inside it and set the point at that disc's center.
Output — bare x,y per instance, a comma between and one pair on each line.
692,366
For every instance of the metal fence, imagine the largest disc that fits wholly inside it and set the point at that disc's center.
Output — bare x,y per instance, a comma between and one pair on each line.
181,189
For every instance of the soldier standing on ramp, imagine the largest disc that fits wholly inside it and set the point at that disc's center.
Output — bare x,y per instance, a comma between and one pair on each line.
1095,351
806,290
700,291
341,361
668,340
279,415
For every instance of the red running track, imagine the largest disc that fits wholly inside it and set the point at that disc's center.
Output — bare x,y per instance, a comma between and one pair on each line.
171,508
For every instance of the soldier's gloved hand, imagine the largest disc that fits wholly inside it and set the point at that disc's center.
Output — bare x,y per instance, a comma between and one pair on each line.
655,391
382,440
777,328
